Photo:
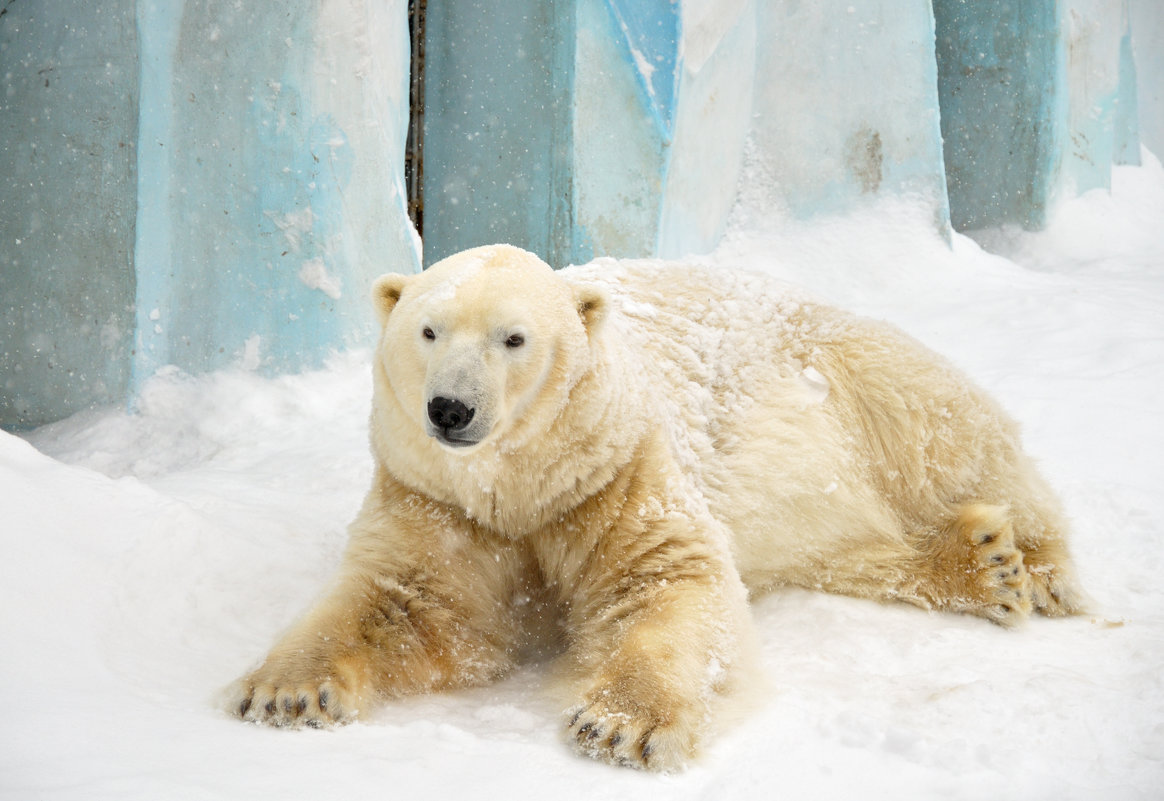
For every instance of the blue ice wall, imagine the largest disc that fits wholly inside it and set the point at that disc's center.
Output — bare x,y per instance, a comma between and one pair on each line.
1001,108
1127,106
804,81
269,187
625,89
846,104
68,136
1038,100
598,127
1090,34
1146,24
497,135
712,123
195,183
208,182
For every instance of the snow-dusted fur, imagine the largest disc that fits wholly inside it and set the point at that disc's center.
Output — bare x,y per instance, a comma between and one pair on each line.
647,445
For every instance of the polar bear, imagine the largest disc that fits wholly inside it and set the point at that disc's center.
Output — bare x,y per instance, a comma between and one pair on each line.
633,449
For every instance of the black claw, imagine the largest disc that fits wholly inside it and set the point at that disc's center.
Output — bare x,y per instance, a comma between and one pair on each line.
324,699
615,740
287,705
300,705
577,715
987,539
244,707
270,707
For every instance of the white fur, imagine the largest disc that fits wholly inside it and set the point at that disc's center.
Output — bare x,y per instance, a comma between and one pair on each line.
648,443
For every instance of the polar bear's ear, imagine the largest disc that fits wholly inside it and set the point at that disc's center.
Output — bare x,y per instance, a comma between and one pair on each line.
385,292
592,304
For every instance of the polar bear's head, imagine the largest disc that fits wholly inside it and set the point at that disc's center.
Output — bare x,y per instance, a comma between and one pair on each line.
483,342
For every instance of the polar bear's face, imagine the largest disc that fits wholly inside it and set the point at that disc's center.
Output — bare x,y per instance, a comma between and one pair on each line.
479,342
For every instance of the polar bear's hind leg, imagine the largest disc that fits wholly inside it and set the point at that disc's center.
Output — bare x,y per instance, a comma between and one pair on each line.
976,563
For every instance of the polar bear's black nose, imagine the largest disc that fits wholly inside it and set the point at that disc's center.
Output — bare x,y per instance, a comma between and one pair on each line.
449,414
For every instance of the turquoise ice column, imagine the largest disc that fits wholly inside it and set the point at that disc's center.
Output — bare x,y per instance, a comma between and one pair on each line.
1038,99
197,184
626,87
269,182
713,118
1146,26
1127,105
1001,108
581,128
68,125
846,106
497,135
1090,34
663,99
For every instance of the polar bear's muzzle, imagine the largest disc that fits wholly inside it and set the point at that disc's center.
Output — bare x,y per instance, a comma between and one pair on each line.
460,397
449,421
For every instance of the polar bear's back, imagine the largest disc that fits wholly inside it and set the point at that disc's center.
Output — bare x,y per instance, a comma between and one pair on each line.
790,416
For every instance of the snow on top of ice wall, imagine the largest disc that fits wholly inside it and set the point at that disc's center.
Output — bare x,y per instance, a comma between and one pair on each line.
270,187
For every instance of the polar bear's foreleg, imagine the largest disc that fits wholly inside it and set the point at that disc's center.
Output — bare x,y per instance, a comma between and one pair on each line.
374,637
422,618
654,656
647,697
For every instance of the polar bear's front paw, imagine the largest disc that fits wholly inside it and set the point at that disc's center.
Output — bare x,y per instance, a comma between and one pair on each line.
292,703
600,730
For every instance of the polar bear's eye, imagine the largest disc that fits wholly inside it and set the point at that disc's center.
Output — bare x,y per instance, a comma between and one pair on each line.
515,341
428,334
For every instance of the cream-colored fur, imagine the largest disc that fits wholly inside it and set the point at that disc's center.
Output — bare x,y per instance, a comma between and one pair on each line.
647,444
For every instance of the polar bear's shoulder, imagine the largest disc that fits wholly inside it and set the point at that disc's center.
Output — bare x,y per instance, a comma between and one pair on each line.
728,317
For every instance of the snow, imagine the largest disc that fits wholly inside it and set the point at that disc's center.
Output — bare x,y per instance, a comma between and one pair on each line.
150,558
314,274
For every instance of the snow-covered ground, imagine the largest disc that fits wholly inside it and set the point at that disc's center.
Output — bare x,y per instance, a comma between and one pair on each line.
148,559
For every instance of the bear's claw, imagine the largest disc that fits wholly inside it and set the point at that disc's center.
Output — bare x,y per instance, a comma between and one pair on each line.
997,578
621,739
313,706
